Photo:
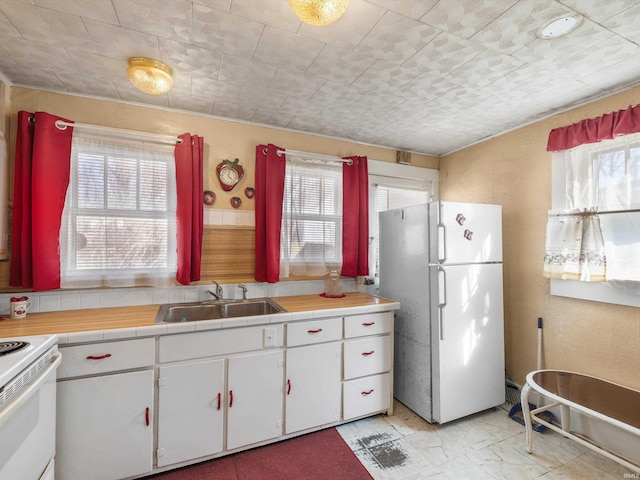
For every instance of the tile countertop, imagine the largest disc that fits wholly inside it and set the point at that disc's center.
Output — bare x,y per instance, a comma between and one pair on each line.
90,325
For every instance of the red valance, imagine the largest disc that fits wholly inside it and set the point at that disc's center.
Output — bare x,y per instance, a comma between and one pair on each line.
593,130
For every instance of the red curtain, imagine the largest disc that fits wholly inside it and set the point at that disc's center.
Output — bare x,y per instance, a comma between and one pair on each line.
189,208
41,178
593,130
355,218
270,173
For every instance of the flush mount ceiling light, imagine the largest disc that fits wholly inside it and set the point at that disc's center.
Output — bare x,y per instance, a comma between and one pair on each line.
319,12
560,26
149,76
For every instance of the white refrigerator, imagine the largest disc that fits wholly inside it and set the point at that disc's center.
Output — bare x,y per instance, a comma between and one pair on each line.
443,262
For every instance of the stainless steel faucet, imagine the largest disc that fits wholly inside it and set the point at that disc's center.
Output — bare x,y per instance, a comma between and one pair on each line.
218,294
244,291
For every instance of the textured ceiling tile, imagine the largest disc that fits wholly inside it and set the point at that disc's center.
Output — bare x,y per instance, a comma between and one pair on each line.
118,42
261,98
101,10
173,20
396,38
465,17
518,25
246,72
128,92
87,85
444,54
332,92
43,77
224,32
297,107
47,26
36,56
622,26
7,30
424,88
215,89
409,8
284,49
600,10
339,65
234,110
295,84
384,78
190,59
274,14
190,103
484,69
97,66
307,124
269,117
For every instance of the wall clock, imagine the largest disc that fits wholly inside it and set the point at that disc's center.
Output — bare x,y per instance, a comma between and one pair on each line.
229,174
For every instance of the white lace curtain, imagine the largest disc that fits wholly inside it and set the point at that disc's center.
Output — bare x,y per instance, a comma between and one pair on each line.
580,244
311,234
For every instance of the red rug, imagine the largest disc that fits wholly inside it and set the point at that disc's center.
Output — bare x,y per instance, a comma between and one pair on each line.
322,455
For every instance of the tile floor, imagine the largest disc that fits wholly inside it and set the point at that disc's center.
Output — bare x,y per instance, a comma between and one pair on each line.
488,445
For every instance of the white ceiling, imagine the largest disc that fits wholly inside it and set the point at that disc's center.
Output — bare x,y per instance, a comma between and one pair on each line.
426,76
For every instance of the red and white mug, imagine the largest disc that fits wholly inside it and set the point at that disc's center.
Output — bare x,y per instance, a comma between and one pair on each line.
18,307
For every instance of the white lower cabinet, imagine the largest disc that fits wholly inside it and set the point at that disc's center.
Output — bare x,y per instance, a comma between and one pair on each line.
313,386
190,411
367,395
254,398
105,427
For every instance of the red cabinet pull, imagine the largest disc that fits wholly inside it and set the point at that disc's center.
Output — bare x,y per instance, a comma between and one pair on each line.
230,398
364,394
219,400
288,386
368,324
366,354
98,357
146,416
318,330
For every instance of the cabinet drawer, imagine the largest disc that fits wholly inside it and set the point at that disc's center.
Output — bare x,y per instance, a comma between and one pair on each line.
367,356
366,396
105,357
212,343
369,324
314,331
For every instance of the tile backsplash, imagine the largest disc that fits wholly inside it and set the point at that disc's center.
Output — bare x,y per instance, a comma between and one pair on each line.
60,300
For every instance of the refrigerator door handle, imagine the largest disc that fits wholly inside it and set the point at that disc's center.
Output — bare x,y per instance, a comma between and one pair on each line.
442,239
442,287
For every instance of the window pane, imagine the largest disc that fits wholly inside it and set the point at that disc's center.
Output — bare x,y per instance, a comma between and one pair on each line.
90,181
120,243
153,185
122,183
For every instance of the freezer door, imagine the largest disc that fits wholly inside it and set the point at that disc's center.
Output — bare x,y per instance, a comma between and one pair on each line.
468,340
465,232
404,277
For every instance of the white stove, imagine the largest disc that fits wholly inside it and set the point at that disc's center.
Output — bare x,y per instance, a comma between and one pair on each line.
28,406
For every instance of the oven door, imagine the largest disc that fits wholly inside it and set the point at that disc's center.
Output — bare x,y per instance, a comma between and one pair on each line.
27,427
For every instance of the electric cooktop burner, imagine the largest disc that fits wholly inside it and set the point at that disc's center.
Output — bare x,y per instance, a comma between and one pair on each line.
11,347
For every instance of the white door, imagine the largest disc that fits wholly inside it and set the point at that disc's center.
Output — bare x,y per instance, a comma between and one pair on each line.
313,386
190,411
468,340
254,398
105,427
465,232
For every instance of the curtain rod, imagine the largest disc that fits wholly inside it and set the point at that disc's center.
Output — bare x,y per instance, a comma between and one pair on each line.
316,156
120,131
586,213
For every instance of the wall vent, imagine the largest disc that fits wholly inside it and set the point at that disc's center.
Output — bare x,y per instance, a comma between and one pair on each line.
403,157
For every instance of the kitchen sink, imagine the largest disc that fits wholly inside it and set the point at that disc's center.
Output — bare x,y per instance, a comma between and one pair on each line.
216,309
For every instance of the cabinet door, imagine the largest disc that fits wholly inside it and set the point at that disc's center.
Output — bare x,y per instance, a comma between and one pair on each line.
254,403
105,427
190,411
313,387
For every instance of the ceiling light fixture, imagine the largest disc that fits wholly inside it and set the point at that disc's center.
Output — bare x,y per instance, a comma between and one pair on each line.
559,27
149,76
319,12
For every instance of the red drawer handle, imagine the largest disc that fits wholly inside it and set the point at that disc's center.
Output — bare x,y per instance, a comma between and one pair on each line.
146,416
364,394
98,357
288,386
368,324
314,331
366,354
230,398
219,400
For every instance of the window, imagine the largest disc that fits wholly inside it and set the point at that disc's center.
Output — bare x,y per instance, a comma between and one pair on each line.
311,234
389,198
604,176
118,226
